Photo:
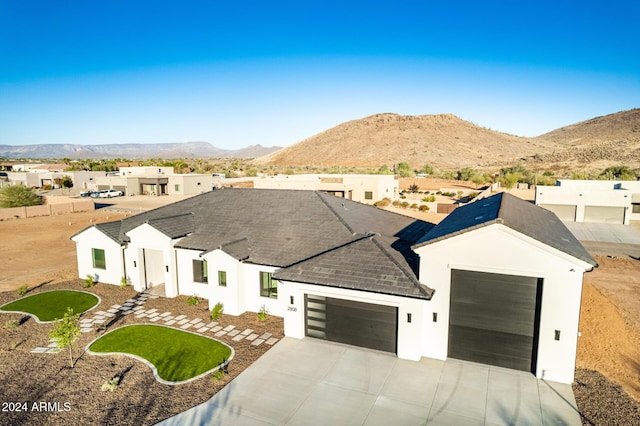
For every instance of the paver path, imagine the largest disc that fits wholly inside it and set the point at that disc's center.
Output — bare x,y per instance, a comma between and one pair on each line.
136,308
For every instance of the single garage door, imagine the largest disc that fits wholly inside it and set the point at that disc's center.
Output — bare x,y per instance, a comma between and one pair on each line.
563,211
603,214
354,323
494,319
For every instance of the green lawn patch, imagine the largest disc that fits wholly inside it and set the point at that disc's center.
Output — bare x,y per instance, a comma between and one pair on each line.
176,355
52,305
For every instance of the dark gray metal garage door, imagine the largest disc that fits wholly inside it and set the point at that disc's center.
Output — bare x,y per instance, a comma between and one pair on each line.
494,319
354,323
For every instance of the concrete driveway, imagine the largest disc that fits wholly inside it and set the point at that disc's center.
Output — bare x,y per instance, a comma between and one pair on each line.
313,382
606,239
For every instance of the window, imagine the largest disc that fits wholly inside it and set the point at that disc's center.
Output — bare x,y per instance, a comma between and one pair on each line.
99,260
268,286
368,195
200,274
177,187
635,208
222,278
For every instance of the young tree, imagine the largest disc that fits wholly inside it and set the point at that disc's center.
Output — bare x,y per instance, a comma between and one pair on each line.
66,182
18,196
427,169
66,331
404,170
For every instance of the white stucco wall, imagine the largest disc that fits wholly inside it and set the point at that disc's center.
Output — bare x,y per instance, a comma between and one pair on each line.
147,237
498,249
94,238
582,197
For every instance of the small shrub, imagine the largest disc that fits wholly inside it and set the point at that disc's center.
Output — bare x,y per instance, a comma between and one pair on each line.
472,195
429,199
22,290
448,194
404,204
124,281
217,311
413,188
193,300
262,315
382,203
89,281
414,206
395,203
423,208
14,345
12,324
110,385
218,375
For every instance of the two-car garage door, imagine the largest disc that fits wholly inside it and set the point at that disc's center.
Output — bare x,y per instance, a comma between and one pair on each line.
494,319
354,323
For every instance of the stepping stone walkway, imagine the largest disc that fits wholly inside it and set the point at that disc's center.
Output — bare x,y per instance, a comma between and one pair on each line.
135,306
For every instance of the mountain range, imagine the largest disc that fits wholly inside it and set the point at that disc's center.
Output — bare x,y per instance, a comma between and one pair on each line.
132,151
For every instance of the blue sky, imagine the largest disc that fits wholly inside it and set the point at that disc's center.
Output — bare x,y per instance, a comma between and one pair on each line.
274,73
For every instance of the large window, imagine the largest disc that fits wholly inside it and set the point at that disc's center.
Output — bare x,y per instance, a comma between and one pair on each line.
99,261
222,278
268,286
200,273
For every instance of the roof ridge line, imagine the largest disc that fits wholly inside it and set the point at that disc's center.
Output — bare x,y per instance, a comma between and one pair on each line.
349,228
328,251
168,217
228,243
412,278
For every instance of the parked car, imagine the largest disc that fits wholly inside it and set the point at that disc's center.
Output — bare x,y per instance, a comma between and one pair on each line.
86,193
95,194
108,193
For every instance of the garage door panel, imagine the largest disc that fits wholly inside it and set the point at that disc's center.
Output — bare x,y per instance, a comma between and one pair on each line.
354,323
563,211
482,343
604,214
493,318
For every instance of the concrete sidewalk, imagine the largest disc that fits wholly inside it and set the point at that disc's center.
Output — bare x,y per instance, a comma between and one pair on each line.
313,382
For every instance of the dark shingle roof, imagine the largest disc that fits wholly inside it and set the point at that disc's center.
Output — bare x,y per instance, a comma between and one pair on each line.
284,227
515,213
111,229
363,264
174,226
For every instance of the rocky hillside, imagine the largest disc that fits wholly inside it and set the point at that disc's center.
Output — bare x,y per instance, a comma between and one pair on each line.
443,140
448,142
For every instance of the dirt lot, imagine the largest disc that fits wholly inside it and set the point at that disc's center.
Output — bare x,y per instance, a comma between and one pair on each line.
36,251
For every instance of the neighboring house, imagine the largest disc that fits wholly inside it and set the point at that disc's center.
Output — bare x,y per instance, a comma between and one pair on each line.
498,281
151,180
362,188
597,201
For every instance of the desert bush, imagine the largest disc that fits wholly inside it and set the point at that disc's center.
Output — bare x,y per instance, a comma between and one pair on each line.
423,208
448,194
395,203
22,290
429,199
413,188
217,311
404,204
414,206
18,196
89,281
382,203
218,375
472,195
193,300
262,315
110,385
11,324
